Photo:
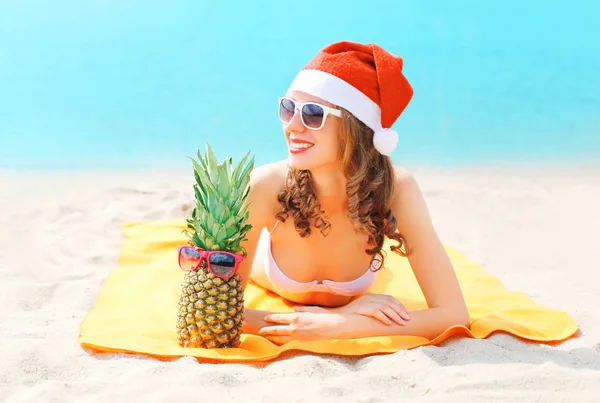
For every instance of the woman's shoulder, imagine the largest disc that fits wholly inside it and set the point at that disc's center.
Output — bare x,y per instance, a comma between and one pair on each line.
403,177
266,181
405,186
269,177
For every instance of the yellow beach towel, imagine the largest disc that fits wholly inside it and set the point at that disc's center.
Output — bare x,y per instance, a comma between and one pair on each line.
136,309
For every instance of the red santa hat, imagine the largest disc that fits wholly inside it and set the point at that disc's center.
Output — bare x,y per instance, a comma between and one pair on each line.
366,80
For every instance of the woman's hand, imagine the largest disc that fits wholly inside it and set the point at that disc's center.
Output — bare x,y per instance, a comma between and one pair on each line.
303,326
315,323
384,308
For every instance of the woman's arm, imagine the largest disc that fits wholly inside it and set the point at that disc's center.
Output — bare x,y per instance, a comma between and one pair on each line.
430,263
330,324
428,323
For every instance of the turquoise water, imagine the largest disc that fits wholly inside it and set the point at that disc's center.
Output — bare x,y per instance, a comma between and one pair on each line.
112,84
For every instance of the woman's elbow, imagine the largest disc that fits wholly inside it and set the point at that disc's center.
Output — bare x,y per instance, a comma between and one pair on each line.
458,316
464,320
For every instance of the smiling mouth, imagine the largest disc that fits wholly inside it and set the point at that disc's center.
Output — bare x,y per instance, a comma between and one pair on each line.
300,146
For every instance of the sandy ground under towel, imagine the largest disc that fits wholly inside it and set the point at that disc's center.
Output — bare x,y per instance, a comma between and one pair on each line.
536,229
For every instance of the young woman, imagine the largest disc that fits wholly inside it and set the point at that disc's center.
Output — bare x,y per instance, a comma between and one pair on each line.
320,217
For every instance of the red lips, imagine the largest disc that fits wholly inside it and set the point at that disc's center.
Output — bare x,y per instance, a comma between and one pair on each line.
300,141
299,150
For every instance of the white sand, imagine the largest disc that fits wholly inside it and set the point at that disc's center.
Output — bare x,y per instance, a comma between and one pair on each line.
537,230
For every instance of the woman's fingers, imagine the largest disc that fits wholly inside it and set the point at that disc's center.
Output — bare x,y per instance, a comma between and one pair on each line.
386,312
393,315
275,331
386,315
380,316
279,339
374,310
388,300
283,325
400,310
397,307
280,318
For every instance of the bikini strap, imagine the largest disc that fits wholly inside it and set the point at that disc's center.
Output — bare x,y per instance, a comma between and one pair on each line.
274,226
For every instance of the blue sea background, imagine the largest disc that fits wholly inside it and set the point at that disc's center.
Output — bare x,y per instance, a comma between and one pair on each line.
134,84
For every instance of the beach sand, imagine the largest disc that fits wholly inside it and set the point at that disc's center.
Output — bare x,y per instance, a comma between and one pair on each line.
534,228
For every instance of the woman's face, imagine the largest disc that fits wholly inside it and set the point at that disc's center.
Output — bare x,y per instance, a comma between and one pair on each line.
311,149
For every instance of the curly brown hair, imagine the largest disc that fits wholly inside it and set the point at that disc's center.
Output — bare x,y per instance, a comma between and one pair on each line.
370,187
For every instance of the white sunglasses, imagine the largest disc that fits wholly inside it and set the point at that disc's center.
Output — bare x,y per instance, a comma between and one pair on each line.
312,114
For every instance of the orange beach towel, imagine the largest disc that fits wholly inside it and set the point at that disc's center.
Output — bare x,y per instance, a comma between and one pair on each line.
136,309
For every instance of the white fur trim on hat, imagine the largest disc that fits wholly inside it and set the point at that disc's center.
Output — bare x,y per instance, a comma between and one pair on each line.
337,91
385,141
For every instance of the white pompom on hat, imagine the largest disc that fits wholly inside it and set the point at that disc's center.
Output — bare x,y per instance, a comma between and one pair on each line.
366,80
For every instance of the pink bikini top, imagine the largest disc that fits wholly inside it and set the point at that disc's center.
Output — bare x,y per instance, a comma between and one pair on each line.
279,280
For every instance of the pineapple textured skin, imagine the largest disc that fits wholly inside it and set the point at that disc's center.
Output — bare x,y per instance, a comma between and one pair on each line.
211,309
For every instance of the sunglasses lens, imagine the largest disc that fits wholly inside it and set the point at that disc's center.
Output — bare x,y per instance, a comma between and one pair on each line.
287,108
312,115
188,258
222,264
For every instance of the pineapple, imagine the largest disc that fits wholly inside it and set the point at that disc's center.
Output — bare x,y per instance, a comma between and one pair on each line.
211,308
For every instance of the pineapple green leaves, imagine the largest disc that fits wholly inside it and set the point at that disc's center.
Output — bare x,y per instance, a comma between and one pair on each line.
219,218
